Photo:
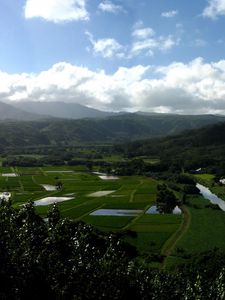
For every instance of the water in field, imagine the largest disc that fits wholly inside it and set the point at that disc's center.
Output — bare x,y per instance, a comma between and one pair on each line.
108,177
51,200
100,193
104,176
9,175
206,193
177,211
155,211
49,187
98,173
117,212
70,194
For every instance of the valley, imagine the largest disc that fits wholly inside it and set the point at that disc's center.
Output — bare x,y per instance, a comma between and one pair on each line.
122,204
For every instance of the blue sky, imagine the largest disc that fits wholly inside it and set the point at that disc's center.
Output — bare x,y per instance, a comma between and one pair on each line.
154,55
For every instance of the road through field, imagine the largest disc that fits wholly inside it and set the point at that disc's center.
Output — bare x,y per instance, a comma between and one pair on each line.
172,241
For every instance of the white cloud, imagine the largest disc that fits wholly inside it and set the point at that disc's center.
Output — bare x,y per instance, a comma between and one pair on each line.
57,11
108,6
143,33
107,47
169,14
196,87
146,42
214,9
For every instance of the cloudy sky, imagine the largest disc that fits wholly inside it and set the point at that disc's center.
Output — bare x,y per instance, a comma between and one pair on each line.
149,55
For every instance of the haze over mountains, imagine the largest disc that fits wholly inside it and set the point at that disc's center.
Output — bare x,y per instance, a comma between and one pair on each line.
9,112
25,128
60,110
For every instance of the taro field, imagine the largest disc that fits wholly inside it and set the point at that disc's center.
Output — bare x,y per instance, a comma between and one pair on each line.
110,204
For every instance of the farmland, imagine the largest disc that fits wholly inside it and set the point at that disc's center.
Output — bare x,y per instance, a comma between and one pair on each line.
150,232
124,201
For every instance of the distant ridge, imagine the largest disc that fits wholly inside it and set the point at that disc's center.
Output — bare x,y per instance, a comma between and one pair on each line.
9,112
61,110
114,129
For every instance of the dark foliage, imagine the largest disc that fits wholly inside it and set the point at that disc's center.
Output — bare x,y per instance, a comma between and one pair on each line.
62,259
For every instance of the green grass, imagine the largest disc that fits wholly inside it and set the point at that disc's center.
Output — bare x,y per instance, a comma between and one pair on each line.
153,231
109,222
205,178
206,230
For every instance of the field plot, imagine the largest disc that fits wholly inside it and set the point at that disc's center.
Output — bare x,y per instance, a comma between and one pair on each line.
153,231
85,194
205,231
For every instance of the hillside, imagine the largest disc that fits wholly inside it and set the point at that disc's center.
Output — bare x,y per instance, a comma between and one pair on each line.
8,112
115,129
192,149
61,110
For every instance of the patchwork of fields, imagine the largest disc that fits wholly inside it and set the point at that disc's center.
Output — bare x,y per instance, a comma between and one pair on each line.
82,187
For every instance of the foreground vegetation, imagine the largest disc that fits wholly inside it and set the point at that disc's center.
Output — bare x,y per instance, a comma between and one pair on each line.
62,259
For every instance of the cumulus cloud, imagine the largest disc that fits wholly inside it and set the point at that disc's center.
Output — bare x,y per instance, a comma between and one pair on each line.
214,9
192,88
169,14
57,11
108,6
143,33
106,47
146,42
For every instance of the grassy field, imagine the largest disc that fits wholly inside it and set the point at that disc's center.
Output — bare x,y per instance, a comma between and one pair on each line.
134,192
205,231
206,179
203,227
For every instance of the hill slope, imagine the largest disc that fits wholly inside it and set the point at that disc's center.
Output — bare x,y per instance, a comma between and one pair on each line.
8,112
190,150
61,110
109,130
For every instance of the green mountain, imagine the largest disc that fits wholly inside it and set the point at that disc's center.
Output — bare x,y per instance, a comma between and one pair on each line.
61,110
116,129
202,148
8,112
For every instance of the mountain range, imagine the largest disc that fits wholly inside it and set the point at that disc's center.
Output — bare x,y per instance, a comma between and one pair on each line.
112,129
60,110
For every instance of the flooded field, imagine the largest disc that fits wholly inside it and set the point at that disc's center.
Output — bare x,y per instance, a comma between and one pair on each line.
116,212
51,200
100,193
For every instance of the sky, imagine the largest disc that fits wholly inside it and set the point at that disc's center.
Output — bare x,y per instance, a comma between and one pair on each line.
163,56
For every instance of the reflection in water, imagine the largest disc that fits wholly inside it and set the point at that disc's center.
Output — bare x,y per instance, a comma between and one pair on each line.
156,211
100,193
206,193
49,187
116,212
51,200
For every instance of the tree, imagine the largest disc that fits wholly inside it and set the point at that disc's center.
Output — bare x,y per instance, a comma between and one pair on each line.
165,199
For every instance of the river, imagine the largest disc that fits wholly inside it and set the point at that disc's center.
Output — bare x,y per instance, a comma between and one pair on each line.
206,193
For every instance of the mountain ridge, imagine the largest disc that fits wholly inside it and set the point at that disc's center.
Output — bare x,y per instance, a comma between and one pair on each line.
61,109
114,129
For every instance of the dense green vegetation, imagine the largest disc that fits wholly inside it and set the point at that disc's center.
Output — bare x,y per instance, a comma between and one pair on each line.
62,259
113,256
112,129
192,150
